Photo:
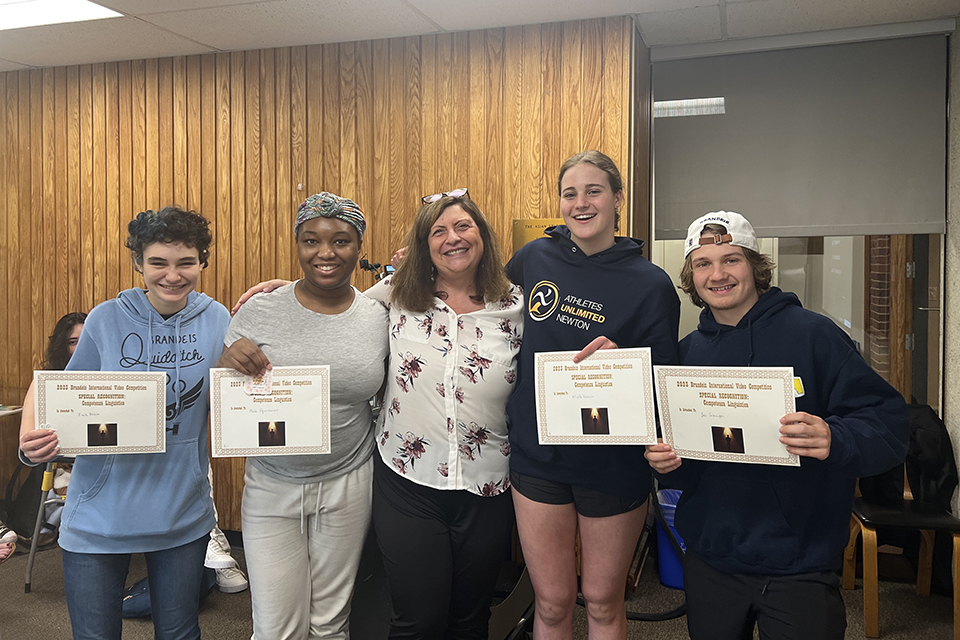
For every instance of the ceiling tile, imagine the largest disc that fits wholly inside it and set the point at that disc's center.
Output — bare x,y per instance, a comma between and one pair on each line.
144,7
756,18
206,25
462,16
295,22
686,26
94,41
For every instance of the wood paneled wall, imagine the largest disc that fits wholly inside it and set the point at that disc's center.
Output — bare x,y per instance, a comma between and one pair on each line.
244,137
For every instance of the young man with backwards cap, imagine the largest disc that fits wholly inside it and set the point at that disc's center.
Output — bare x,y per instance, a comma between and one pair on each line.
764,542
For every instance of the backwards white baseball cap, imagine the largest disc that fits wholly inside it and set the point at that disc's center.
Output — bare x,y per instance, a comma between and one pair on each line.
739,233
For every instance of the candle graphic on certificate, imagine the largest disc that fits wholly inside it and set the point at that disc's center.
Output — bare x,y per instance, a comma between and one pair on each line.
727,439
102,434
595,420
272,434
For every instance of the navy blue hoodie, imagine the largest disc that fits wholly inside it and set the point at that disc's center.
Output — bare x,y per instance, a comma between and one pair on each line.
140,502
570,299
771,520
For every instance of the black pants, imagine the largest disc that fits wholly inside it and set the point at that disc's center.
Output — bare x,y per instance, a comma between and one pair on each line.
442,552
725,606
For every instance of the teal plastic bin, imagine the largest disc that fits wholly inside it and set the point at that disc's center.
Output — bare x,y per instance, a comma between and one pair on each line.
671,564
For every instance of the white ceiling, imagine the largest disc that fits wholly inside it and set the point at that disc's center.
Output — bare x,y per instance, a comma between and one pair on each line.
156,28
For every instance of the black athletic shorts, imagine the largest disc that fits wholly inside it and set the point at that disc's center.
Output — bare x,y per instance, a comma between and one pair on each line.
588,502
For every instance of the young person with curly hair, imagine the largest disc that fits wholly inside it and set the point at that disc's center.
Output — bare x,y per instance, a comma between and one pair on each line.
156,504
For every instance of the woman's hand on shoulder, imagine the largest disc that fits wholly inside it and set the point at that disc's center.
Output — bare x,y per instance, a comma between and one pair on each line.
602,342
662,457
40,445
398,257
246,357
262,287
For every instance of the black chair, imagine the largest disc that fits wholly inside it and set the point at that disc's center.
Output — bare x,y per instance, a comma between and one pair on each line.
931,471
865,521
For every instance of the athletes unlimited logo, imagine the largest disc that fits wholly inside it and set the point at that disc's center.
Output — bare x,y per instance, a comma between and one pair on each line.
543,300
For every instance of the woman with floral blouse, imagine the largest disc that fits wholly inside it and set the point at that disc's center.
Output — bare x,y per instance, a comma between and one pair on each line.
441,508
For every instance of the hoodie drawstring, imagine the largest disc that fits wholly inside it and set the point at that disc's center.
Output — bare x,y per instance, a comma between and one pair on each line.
149,339
178,351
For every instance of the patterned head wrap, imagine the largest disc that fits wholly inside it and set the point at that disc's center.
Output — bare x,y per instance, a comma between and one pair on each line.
330,205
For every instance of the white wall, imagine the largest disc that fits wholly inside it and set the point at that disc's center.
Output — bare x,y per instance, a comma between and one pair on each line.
951,307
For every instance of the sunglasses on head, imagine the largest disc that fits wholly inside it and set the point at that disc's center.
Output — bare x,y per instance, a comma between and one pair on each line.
453,193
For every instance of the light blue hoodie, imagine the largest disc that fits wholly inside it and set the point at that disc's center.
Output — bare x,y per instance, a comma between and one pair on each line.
147,502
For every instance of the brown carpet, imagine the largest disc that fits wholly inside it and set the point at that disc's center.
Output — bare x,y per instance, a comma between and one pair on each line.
42,614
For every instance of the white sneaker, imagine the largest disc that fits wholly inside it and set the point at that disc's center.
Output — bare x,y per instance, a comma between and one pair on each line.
7,534
218,552
231,580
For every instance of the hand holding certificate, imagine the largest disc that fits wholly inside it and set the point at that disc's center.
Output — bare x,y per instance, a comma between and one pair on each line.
100,412
727,414
287,414
604,399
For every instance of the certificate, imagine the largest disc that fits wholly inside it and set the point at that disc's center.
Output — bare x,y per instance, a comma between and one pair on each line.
605,399
294,419
101,412
730,414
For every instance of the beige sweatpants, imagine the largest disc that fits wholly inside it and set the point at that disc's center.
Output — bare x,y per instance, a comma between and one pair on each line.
302,545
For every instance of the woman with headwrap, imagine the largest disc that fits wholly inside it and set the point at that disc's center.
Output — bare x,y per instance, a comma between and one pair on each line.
305,517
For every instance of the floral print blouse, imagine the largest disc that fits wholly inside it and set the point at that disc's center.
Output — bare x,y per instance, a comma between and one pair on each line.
443,423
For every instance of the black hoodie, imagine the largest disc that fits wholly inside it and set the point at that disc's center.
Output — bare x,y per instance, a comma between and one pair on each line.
572,298
771,520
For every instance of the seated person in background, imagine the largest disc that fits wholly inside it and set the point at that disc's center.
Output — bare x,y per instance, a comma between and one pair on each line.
62,344
60,347
764,542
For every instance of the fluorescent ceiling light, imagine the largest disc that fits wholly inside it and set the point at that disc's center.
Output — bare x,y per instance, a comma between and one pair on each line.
692,107
16,14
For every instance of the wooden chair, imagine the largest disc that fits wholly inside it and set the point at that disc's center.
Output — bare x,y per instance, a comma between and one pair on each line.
866,518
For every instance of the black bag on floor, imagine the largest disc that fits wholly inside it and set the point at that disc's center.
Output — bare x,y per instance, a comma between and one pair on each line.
931,467
932,472
22,509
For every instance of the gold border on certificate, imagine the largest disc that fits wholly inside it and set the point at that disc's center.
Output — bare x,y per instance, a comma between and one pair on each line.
156,382
639,399
783,376
219,377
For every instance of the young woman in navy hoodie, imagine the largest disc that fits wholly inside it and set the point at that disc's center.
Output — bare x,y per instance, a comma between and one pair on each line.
157,504
584,266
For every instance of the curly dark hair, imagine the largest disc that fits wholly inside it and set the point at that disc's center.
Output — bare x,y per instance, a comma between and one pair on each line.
170,224
57,355
761,263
